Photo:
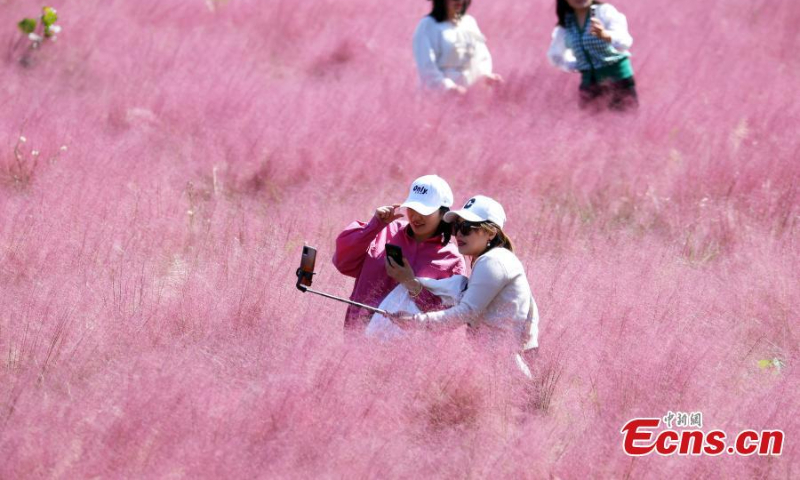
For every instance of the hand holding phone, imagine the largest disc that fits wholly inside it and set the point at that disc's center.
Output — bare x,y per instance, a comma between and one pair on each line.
597,29
395,253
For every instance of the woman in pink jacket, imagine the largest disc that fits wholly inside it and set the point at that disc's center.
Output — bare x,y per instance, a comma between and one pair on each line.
424,238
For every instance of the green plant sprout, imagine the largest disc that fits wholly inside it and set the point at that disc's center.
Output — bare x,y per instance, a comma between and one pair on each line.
37,31
774,364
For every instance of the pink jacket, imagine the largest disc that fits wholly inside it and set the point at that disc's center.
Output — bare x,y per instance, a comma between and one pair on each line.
360,253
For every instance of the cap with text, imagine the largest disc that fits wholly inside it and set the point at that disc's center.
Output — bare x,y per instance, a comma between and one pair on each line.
427,194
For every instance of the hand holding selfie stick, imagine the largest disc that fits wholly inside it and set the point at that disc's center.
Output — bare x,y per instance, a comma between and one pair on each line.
305,275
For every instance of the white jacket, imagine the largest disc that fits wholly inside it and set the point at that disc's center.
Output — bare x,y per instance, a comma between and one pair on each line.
449,54
449,290
498,298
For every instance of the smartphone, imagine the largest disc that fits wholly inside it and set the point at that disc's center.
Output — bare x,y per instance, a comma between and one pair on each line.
395,253
307,261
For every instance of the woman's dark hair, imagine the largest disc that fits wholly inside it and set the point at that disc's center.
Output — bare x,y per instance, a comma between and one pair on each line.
439,10
445,229
563,8
499,240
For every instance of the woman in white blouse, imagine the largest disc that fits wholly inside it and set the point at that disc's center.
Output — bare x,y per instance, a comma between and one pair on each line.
450,50
497,302
592,38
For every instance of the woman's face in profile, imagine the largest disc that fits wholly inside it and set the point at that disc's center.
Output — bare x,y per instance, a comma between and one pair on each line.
471,241
423,226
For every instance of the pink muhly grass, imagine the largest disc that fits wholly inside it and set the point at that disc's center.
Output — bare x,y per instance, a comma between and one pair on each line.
149,324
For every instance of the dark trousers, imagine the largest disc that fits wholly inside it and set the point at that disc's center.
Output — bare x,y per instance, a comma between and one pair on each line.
616,95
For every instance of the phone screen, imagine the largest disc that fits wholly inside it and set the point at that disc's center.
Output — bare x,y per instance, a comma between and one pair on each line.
307,263
395,253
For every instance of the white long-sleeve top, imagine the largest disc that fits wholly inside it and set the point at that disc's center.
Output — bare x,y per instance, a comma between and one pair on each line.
450,54
498,297
569,46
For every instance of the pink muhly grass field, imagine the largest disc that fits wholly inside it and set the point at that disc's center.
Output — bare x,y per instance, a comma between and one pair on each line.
149,323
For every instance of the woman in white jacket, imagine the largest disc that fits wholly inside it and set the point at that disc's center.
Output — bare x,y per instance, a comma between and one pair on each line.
450,50
497,301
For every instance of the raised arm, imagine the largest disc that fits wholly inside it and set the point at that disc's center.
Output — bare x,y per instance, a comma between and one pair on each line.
616,24
352,245
559,54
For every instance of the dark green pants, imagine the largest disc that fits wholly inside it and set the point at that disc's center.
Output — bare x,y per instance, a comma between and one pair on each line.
615,94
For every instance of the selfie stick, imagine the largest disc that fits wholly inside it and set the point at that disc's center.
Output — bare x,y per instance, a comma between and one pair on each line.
303,288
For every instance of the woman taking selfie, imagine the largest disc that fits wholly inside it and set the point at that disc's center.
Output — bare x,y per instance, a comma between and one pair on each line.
450,50
425,242
592,38
497,302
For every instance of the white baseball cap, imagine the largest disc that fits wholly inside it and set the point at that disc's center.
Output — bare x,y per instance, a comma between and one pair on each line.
479,209
427,194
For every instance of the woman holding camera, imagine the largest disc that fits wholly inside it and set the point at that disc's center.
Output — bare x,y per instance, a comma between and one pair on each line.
592,38
497,302
450,50
425,241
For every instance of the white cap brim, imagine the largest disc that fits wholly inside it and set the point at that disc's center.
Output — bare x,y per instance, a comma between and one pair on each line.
467,215
419,207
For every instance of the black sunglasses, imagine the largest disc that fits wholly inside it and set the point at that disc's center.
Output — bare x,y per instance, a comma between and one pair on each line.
465,228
